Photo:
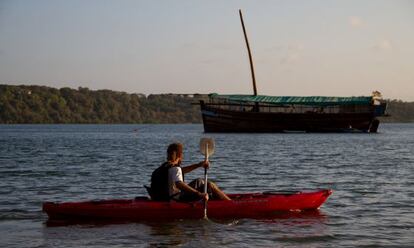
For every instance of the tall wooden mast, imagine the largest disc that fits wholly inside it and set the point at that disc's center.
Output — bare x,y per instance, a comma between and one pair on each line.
250,54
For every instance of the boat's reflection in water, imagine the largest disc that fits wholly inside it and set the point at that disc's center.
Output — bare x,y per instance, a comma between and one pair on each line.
265,231
298,217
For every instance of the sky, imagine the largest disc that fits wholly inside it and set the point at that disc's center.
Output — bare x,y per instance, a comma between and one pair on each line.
300,48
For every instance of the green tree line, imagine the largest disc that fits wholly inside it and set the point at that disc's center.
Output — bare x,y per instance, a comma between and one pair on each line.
41,104
399,111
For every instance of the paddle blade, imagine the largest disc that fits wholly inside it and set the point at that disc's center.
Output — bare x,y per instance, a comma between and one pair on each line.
207,144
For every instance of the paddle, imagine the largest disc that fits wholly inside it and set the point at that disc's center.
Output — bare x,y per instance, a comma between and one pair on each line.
207,149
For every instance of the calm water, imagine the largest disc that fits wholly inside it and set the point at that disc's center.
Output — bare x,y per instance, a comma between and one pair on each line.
372,176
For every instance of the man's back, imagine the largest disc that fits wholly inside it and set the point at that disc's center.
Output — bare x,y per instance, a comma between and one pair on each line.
159,183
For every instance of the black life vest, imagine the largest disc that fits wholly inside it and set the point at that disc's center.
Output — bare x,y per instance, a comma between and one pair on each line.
159,183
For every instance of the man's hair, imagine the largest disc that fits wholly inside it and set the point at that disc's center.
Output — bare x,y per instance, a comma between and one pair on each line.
174,150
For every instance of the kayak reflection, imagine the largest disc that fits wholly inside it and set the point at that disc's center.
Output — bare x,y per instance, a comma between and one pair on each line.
163,227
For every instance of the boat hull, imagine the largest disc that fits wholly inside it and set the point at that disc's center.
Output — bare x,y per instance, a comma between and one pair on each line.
255,205
221,120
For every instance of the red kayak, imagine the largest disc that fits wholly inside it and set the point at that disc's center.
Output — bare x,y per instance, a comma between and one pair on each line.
253,205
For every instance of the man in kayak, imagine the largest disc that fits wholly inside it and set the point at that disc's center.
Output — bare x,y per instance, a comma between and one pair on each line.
178,189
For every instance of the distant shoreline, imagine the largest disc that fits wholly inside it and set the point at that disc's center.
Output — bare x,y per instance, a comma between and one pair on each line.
34,104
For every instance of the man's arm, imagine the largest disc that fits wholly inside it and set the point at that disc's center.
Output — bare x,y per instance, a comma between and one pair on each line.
194,166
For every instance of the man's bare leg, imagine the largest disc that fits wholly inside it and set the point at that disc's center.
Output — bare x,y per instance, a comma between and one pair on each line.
217,192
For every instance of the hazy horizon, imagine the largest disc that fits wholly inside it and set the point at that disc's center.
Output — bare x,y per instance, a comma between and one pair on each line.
326,48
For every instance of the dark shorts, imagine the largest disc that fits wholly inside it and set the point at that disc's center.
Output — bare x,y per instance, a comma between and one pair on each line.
197,184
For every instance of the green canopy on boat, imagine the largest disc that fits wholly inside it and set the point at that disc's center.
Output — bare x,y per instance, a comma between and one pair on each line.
300,100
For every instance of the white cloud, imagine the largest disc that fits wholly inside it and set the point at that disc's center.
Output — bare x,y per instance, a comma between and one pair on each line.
295,47
290,58
355,21
292,53
384,45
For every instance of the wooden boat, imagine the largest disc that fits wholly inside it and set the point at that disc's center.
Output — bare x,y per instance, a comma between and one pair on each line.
259,113
247,113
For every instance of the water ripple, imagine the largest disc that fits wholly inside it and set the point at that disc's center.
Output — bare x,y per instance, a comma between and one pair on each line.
372,176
